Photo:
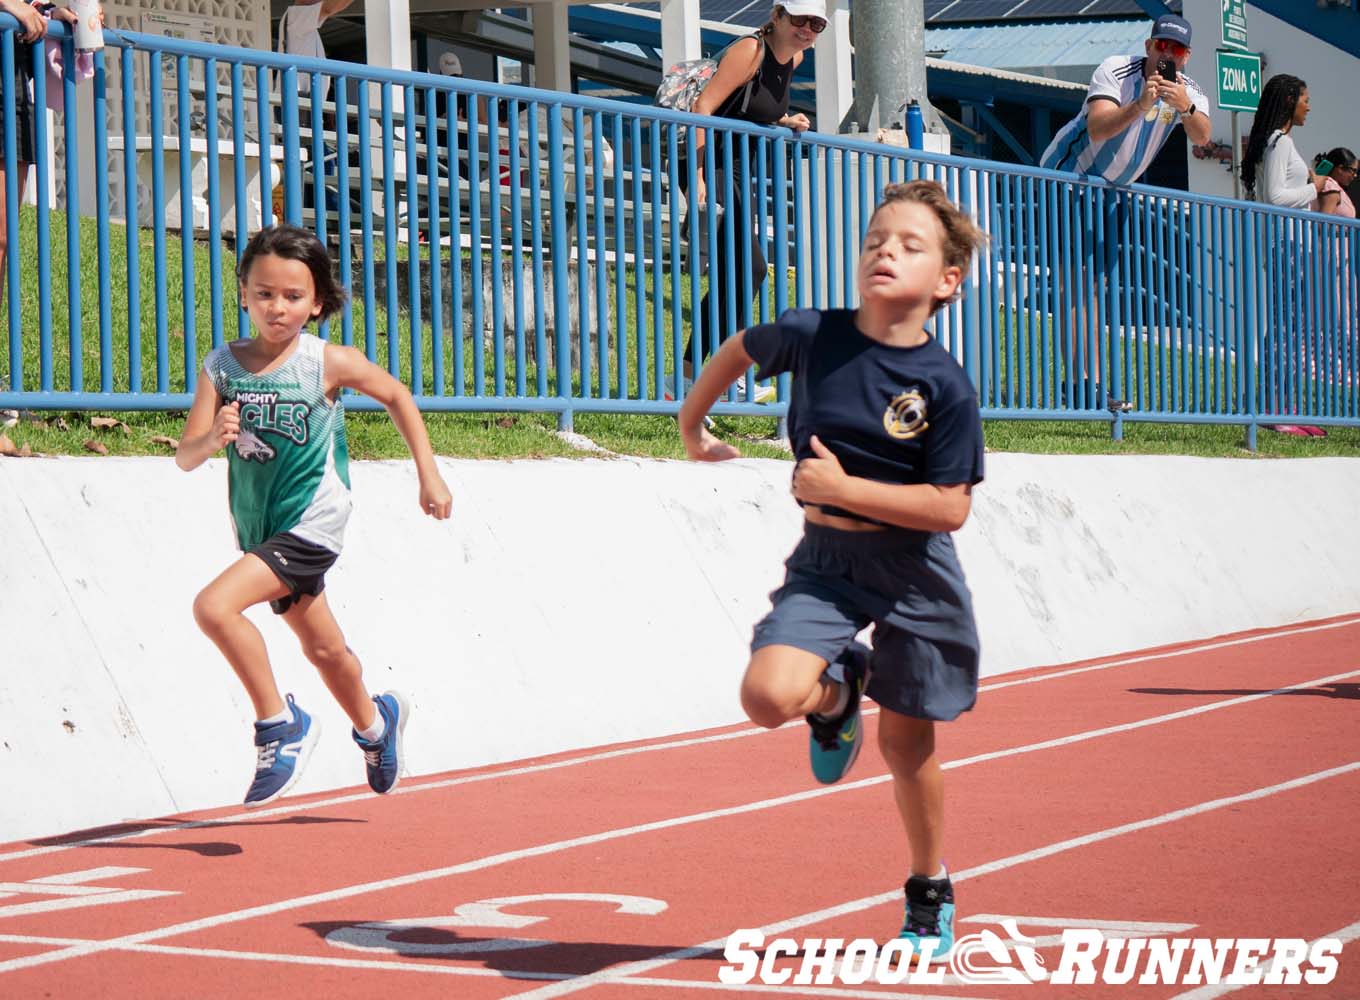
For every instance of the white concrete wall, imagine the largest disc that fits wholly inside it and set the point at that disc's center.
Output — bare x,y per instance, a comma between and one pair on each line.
1331,75
573,603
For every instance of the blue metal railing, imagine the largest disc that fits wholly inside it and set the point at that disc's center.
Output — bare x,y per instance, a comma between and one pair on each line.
513,249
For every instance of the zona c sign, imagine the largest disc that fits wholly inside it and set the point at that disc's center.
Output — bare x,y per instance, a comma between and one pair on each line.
1239,81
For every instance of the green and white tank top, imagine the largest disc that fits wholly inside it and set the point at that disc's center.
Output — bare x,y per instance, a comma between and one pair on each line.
289,468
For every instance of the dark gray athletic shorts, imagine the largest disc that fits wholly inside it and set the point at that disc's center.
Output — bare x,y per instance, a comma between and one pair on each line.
299,564
25,141
910,586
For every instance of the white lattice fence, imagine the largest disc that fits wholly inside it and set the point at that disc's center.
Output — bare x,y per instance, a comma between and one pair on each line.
243,23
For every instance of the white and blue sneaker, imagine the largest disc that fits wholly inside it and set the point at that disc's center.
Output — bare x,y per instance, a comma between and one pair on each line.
383,756
686,384
281,752
834,743
929,922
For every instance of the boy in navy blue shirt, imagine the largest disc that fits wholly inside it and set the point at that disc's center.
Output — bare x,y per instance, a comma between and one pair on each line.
888,440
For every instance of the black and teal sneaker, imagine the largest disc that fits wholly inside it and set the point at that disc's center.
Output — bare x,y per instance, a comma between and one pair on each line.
929,921
834,743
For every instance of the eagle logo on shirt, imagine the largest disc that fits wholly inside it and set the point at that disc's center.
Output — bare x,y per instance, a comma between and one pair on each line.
250,446
905,416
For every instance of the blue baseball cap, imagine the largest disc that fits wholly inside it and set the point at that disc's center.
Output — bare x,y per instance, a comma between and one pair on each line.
1172,28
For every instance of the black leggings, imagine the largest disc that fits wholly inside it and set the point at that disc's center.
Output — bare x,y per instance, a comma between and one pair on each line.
749,258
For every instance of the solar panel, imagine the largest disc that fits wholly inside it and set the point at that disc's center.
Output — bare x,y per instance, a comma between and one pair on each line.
938,13
979,10
1050,8
941,12
1106,7
733,10
751,15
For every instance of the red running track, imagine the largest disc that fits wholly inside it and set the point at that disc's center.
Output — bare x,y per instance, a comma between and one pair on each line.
1207,790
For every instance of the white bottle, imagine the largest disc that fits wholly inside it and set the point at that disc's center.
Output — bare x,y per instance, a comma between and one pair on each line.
89,33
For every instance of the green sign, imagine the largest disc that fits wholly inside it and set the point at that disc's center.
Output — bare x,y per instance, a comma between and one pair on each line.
1239,81
1235,24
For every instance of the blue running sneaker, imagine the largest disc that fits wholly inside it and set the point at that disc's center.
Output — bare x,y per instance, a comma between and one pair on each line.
281,752
834,743
383,755
929,922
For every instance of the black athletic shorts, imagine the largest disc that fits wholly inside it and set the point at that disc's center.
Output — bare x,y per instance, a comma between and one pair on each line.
25,141
299,564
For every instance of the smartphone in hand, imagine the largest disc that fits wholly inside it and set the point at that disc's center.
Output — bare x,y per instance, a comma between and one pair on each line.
1324,167
1167,69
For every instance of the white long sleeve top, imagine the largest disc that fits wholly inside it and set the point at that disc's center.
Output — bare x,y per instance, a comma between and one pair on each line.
1284,175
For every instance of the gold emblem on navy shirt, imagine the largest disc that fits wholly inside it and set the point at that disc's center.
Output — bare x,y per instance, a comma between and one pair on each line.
905,416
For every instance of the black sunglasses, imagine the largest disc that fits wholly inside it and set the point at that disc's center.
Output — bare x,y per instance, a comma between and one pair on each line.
807,21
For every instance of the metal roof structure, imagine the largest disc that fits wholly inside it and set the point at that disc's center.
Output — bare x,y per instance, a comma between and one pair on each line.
1001,73
941,13
1063,51
634,25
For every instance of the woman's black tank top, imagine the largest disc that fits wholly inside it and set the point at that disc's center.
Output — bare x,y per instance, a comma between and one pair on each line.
769,100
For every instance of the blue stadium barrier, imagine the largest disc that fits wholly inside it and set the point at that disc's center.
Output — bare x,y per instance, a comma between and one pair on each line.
514,249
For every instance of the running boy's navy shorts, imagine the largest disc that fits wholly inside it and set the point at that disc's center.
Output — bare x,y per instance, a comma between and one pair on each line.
910,586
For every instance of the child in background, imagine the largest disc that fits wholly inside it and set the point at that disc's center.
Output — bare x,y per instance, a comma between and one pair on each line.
1334,199
32,16
273,401
888,440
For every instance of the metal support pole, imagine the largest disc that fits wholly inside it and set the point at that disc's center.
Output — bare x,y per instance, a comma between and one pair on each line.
1236,154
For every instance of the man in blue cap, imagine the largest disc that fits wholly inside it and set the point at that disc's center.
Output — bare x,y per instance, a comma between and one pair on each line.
1133,105
1131,109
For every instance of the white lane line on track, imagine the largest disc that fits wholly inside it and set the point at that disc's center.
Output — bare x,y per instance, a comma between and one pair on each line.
323,960
245,818
1207,647
494,860
449,969
799,991
1344,935
248,817
620,974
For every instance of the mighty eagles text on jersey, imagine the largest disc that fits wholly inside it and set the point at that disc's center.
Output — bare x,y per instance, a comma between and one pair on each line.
288,470
1124,157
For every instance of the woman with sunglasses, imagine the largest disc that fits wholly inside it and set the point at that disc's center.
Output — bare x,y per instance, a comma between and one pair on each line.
751,84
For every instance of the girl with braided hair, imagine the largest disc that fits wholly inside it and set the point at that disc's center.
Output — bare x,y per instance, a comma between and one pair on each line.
1285,178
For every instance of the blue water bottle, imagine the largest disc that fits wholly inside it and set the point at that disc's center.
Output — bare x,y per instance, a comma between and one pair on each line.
915,126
